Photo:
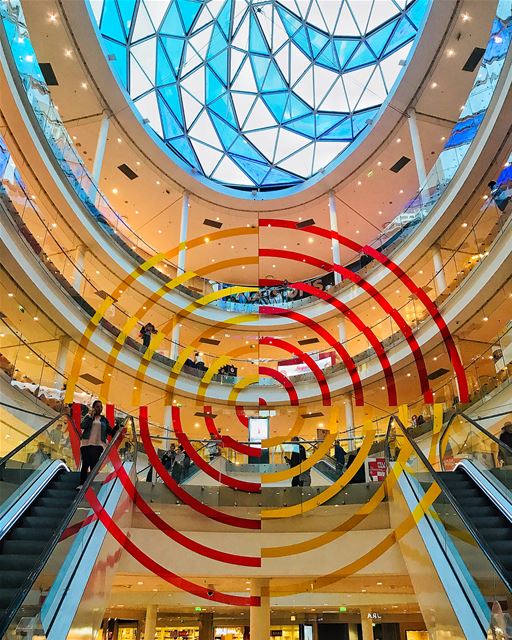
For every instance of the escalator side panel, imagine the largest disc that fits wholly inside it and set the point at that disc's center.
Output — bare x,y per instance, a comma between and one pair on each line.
448,596
489,484
22,497
80,592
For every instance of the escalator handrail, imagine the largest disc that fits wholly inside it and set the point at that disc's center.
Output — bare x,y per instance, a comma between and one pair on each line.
491,436
23,591
451,498
29,439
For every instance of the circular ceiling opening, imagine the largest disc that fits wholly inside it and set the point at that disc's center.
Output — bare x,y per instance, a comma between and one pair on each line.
258,95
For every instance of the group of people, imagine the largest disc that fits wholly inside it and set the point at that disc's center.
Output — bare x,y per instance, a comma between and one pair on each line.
177,461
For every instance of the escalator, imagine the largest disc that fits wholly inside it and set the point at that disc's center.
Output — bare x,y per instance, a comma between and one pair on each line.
46,547
455,524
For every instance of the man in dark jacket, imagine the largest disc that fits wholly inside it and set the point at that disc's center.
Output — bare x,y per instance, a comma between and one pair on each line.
297,457
339,455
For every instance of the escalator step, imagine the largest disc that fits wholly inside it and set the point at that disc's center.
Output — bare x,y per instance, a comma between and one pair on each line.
25,547
25,533
6,596
468,501
51,512
41,522
62,494
475,511
488,523
496,533
502,547
13,578
15,563
45,501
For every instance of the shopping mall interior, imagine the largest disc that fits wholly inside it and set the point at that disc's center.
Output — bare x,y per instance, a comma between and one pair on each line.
256,319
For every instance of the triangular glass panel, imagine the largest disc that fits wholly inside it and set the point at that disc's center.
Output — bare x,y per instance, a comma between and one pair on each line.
361,120
344,49
189,10
361,57
242,147
328,57
126,9
217,43
382,11
305,126
223,107
139,82
317,40
416,12
255,170
171,127
295,107
226,133
378,40
171,96
182,147
220,65
403,32
172,25
291,24
164,70
257,42
302,41
346,25
174,49
121,60
273,80
276,176
110,22
326,152
143,25
325,121
229,172
156,11
214,87
342,132
243,103
260,66
276,102
148,109
224,18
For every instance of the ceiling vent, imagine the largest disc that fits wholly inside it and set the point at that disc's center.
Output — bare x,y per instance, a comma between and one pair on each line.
90,378
400,164
437,374
316,414
212,223
128,172
305,223
209,341
48,74
474,59
308,341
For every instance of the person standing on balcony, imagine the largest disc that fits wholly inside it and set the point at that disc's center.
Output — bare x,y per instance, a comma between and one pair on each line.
339,455
145,334
297,457
506,438
498,195
95,429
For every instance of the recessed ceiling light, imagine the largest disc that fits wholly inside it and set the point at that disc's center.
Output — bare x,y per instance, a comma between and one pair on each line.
207,239
300,219
311,240
115,190
10,295
450,53
84,85
138,163
443,138
36,318
380,213
273,266
485,318
359,183
52,17
465,17
119,140
232,246
158,181
68,53
54,225
379,163
284,246
357,230
420,272
399,140
159,230
433,85
464,225
243,266
401,191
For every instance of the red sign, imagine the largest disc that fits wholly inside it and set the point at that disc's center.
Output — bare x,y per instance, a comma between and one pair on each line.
377,469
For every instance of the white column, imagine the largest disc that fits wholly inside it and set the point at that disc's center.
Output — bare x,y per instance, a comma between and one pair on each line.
99,155
417,148
440,277
150,627
183,231
175,338
60,364
352,631
78,275
260,616
167,425
333,219
342,330
367,625
349,420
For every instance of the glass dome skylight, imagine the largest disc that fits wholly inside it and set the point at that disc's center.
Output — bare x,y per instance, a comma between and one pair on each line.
258,94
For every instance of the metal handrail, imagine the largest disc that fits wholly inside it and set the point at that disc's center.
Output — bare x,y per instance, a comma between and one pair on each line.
43,558
478,426
451,499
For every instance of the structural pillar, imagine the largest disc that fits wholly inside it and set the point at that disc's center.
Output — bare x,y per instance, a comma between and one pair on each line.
333,219
175,338
60,364
366,625
417,148
205,626
183,232
342,330
349,420
99,155
353,631
260,616
78,275
150,626
440,278
167,425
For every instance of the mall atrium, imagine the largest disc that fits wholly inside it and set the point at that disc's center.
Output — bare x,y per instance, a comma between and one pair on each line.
256,319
